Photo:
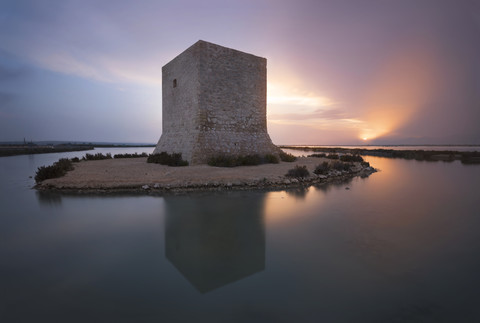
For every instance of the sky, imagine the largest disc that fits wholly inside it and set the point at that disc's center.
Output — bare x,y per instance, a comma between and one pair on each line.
339,71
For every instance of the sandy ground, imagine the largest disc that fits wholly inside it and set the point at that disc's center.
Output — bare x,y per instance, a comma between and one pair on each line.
134,173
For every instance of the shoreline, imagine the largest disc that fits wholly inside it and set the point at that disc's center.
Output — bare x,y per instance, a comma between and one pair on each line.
466,157
136,175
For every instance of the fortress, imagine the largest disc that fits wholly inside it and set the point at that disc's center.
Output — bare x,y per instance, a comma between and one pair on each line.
214,103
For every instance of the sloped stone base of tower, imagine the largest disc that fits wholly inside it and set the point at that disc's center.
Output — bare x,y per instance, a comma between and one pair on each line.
200,147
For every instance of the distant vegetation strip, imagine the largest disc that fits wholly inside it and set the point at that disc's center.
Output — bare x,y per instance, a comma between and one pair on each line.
29,150
466,157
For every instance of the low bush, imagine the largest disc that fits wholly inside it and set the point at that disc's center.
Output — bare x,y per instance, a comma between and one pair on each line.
322,169
164,158
130,155
341,166
97,156
75,159
365,164
298,172
332,156
58,169
271,159
250,160
286,157
351,158
223,161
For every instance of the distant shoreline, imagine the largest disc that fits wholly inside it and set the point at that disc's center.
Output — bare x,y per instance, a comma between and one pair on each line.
466,157
32,149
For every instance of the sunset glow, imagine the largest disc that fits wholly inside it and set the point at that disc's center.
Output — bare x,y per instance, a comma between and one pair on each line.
283,94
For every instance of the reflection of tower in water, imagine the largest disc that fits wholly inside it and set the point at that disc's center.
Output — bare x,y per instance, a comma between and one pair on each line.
215,240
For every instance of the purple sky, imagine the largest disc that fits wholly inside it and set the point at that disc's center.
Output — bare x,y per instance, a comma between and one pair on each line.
339,72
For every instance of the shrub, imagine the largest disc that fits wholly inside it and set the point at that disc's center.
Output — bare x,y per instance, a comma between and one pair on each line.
58,169
271,159
223,161
332,156
250,160
365,164
351,158
322,169
164,158
298,172
135,155
75,160
97,156
340,166
286,157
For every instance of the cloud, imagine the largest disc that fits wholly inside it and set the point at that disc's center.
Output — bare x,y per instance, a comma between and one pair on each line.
325,114
101,69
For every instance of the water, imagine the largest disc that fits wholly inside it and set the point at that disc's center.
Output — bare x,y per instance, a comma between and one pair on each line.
399,246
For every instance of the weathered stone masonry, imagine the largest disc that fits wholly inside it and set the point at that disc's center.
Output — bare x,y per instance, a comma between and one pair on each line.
214,103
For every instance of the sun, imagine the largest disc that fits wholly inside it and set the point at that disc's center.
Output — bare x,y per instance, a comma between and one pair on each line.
365,138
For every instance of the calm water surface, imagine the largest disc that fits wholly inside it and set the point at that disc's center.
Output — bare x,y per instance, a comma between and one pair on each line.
400,246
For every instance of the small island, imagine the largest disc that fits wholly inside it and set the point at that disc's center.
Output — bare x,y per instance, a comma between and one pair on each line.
135,174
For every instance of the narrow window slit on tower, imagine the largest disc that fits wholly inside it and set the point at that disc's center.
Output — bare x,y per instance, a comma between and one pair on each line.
174,82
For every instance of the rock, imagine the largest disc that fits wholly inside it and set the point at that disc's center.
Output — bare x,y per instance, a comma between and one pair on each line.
347,188
156,185
286,181
229,184
322,176
145,187
294,180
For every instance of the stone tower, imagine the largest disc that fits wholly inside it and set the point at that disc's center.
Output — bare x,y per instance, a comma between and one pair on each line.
214,103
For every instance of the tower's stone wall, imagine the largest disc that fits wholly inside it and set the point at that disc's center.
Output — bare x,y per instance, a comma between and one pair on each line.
214,103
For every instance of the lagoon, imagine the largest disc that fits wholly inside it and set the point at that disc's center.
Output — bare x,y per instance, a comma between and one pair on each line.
399,246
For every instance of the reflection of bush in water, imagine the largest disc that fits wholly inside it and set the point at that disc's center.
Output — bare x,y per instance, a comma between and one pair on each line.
298,192
49,198
326,187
